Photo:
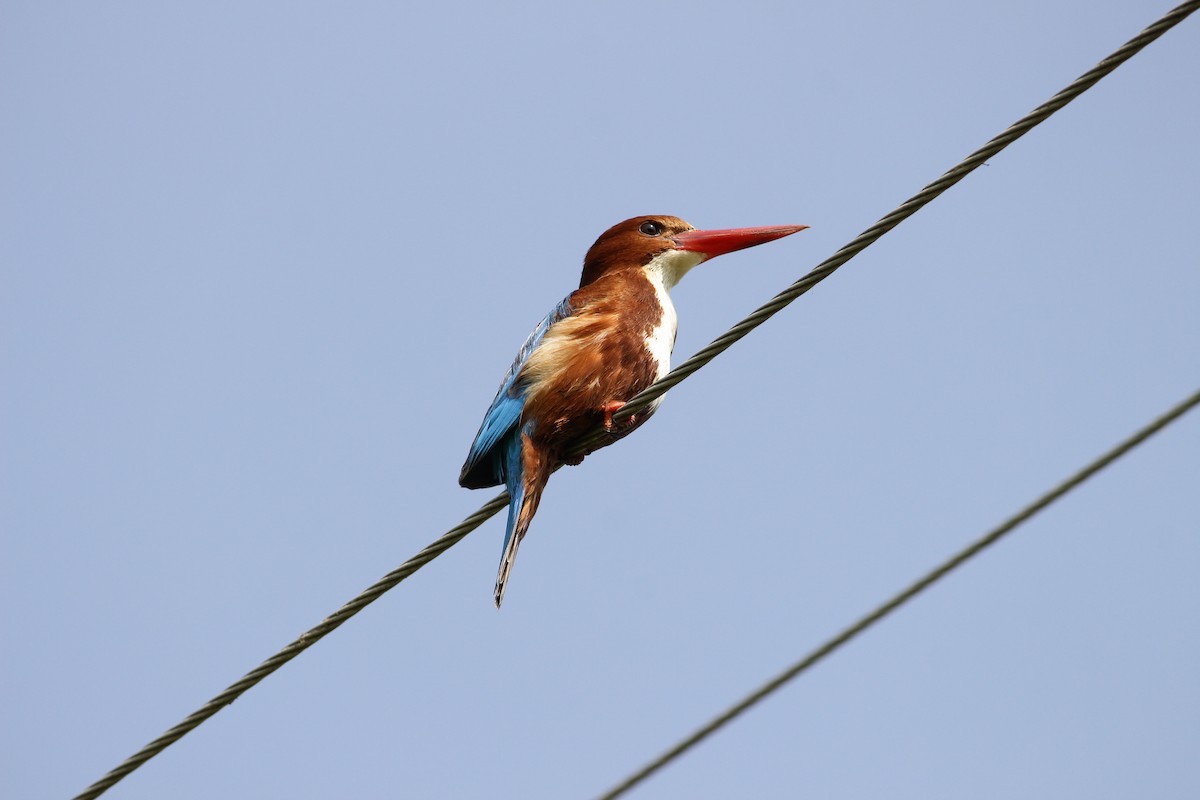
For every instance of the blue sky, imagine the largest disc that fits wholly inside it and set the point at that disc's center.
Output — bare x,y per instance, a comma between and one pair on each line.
265,263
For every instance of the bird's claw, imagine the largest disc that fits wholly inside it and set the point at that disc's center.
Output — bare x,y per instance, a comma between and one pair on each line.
609,408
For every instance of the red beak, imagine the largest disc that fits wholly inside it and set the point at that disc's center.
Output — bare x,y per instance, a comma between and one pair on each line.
717,243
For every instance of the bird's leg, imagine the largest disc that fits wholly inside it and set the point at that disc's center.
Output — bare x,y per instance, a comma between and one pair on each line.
608,409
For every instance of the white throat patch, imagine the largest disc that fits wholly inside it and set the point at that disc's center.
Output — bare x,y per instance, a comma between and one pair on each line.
671,266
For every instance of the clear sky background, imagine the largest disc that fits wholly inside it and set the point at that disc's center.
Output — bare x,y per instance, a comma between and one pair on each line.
264,265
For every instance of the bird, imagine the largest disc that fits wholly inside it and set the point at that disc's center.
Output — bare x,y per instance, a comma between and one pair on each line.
601,345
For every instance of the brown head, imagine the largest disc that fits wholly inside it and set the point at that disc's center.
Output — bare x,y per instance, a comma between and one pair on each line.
669,242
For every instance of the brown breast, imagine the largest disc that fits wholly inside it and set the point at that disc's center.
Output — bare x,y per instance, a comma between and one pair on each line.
596,356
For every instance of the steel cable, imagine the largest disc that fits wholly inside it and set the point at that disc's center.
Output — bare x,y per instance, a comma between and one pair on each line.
903,212
918,586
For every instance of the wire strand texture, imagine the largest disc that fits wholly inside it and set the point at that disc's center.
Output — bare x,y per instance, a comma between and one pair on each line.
680,373
902,597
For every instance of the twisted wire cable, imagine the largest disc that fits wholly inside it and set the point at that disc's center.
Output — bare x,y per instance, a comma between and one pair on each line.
719,345
302,643
903,212
918,586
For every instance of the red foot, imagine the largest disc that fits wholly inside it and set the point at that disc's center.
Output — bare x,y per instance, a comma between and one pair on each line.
608,409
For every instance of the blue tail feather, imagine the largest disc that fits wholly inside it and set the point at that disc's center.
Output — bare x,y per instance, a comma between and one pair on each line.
514,478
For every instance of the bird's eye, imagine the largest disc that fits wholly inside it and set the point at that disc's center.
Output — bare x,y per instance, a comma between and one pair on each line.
650,228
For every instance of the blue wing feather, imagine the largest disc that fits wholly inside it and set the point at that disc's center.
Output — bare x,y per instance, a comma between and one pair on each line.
485,465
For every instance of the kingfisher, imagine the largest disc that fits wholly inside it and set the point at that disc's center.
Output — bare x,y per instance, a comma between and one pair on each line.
604,343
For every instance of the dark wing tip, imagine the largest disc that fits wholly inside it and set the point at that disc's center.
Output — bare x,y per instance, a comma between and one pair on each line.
478,475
